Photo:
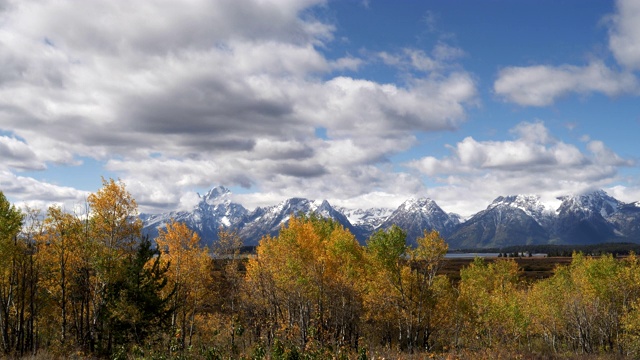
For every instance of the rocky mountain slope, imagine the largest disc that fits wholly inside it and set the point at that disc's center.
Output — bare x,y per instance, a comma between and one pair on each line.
417,215
268,220
507,221
588,218
214,210
585,219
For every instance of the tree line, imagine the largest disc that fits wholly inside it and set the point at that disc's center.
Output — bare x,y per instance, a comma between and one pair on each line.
91,285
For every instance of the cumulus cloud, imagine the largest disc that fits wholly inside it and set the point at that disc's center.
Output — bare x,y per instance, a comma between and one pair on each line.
542,85
17,155
626,193
347,63
38,194
534,162
410,59
354,107
624,34
176,96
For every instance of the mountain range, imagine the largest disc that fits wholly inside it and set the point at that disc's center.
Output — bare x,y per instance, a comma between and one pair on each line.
589,218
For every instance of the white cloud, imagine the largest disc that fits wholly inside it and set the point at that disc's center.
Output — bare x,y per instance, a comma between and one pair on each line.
409,59
444,52
17,155
420,61
624,34
542,85
347,63
535,162
178,96
38,194
181,96
623,193
353,107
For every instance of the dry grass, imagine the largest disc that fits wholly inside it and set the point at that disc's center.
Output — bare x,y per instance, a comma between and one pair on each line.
533,268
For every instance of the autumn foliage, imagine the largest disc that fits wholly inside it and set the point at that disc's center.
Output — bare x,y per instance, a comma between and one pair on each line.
91,285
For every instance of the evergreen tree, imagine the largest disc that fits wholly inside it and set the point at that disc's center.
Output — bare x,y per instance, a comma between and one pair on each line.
140,310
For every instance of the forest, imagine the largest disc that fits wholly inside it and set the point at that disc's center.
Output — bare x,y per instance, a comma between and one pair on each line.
91,285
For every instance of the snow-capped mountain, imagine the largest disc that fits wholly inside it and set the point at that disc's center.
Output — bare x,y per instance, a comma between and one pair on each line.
585,205
367,219
588,218
626,220
417,215
584,219
593,217
506,221
213,211
268,220
531,205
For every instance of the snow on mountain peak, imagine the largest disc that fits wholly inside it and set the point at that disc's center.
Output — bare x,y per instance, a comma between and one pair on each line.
372,217
424,205
529,204
298,205
216,195
586,203
215,209
322,208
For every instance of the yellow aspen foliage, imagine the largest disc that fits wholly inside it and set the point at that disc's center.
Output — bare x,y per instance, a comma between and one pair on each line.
631,327
489,303
544,305
12,256
430,251
189,275
404,295
60,254
226,252
112,231
114,221
589,306
305,283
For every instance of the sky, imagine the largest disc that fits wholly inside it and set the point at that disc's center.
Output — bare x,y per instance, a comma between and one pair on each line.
362,103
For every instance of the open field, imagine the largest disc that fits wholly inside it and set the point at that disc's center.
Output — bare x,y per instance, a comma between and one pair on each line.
532,268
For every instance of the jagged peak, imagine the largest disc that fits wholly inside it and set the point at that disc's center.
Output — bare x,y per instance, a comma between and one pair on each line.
215,194
295,200
520,198
292,204
586,195
321,205
591,201
528,203
297,204
373,216
455,217
421,203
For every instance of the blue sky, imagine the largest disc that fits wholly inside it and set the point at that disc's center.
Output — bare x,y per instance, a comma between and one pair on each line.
362,103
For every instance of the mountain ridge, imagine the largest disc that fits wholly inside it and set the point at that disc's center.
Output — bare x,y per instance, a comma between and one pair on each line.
588,218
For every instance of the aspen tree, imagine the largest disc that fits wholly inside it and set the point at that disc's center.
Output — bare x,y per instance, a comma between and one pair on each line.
306,284
189,273
11,252
59,248
227,251
114,229
404,292
489,303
